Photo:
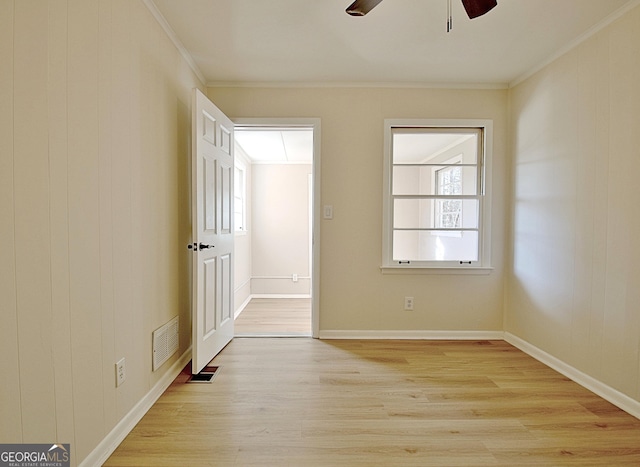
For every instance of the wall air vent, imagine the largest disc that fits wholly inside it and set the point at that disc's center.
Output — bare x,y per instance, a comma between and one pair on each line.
165,342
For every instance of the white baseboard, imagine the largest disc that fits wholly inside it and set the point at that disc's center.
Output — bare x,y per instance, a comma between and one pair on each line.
110,442
608,393
418,335
242,307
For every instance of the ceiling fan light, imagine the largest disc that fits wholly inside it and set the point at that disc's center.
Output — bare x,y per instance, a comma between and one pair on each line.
477,8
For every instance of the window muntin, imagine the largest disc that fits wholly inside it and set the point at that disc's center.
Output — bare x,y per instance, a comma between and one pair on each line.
435,195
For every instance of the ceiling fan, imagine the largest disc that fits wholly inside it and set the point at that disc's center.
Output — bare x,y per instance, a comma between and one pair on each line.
474,8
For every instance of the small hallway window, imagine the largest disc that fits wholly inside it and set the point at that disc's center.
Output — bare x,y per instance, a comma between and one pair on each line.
240,197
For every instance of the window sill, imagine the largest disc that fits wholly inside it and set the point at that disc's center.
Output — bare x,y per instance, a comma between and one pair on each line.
474,271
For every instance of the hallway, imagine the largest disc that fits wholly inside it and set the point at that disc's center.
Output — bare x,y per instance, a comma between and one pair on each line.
275,317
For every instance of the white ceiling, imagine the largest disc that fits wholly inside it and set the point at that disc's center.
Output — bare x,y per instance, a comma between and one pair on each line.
400,42
276,145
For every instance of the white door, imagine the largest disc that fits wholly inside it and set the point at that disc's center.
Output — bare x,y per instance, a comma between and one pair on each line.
212,198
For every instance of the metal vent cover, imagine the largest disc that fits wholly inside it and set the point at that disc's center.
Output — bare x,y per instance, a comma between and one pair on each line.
165,342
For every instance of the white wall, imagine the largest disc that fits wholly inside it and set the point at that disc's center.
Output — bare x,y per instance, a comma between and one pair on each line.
280,229
354,295
94,183
574,287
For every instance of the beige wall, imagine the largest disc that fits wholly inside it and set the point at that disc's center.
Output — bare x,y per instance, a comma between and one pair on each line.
354,295
280,228
94,183
574,288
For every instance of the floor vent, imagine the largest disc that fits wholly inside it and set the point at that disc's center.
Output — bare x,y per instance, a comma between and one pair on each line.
205,376
165,343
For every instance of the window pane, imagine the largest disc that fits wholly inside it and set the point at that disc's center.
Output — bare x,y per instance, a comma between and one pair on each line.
423,180
413,213
421,146
419,245
439,213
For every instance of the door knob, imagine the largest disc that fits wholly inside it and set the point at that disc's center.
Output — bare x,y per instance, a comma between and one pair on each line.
201,246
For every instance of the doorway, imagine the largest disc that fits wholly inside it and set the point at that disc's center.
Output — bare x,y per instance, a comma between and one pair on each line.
275,218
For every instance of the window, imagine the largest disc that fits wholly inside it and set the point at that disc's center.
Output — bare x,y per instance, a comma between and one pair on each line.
448,181
240,197
436,207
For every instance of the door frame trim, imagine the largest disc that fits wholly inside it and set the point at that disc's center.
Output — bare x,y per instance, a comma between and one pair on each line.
314,124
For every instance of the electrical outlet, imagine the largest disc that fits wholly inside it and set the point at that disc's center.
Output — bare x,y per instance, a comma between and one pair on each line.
408,303
121,374
294,277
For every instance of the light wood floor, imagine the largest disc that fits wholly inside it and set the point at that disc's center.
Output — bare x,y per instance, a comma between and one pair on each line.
275,316
306,402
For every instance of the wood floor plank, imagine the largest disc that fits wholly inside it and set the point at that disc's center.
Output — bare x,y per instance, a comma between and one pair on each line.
306,402
275,316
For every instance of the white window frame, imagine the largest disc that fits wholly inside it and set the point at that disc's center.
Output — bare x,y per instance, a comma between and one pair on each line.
240,197
483,265
436,184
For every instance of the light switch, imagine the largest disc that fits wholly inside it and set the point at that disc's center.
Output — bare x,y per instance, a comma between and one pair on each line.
328,211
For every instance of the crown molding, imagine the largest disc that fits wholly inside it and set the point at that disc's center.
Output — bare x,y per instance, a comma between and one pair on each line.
174,38
353,84
576,42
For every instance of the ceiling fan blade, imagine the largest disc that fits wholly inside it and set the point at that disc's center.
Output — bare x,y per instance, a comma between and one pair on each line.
477,8
362,7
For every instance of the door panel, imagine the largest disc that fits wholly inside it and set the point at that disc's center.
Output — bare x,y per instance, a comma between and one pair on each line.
212,163
208,127
225,138
210,296
209,195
